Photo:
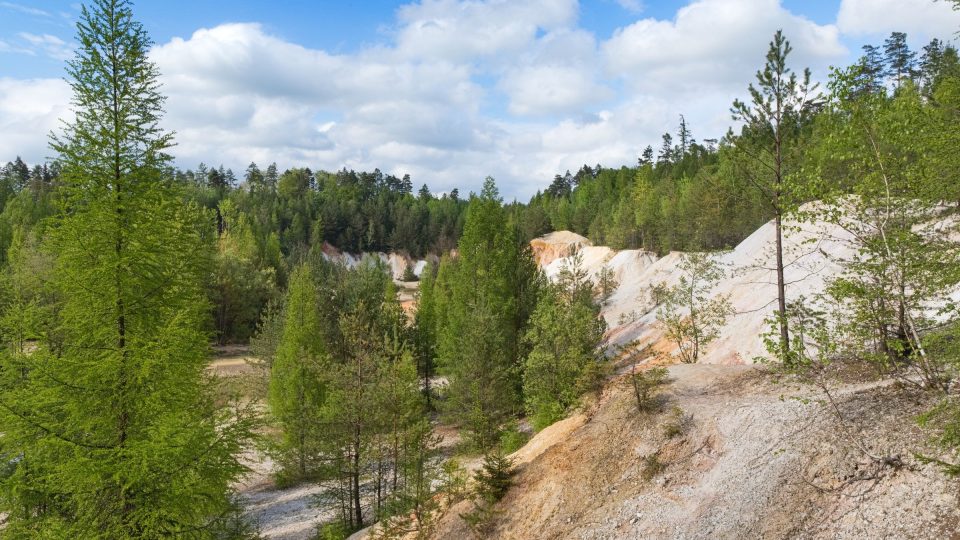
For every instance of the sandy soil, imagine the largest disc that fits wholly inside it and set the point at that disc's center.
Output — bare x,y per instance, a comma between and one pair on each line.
230,360
751,462
281,514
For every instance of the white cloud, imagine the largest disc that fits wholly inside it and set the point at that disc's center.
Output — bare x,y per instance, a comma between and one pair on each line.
6,47
24,9
559,74
237,94
633,6
29,111
880,17
463,89
463,31
50,45
715,45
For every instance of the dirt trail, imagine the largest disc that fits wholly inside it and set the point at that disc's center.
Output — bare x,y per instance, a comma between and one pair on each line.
281,514
754,460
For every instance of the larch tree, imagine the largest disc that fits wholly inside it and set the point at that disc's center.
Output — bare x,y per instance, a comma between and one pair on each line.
297,379
781,105
117,432
425,324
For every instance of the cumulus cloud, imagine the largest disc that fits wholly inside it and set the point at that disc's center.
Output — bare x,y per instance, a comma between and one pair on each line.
50,45
29,111
633,6
461,89
24,9
715,46
462,31
559,74
880,17
237,93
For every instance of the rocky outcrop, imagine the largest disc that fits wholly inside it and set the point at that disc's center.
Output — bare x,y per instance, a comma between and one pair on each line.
556,245
397,263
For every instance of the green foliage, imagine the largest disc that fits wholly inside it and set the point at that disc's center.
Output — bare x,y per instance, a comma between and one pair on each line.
298,385
491,483
694,201
488,294
494,477
345,391
333,531
691,318
112,416
606,284
512,439
770,147
889,204
565,334
645,384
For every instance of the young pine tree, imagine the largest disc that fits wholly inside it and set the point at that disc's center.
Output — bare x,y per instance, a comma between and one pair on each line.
113,422
565,335
781,106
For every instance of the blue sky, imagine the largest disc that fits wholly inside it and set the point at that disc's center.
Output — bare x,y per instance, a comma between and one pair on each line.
447,90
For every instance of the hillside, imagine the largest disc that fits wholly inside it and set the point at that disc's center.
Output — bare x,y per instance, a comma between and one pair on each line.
813,254
750,462
746,456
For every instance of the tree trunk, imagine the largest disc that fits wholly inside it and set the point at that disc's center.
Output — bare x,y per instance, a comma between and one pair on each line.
782,291
356,480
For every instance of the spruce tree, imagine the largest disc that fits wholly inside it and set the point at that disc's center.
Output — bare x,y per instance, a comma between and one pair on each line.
112,419
482,318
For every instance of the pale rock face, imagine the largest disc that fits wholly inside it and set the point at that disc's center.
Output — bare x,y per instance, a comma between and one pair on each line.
813,253
395,263
556,245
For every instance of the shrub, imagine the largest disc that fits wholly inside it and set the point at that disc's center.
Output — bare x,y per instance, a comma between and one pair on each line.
645,384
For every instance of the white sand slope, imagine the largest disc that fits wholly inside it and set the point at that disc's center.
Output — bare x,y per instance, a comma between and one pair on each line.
812,255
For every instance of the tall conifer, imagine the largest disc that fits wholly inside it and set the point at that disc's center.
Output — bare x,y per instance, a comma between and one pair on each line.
116,432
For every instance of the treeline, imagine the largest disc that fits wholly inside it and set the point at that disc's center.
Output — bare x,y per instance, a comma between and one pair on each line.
264,224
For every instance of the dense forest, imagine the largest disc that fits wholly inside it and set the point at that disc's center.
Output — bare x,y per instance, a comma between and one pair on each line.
118,272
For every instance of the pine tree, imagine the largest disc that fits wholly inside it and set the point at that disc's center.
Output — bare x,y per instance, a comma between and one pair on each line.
481,320
118,434
901,62
781,107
